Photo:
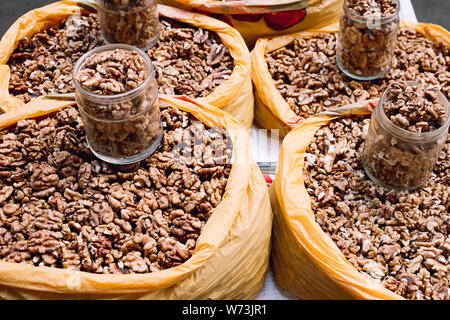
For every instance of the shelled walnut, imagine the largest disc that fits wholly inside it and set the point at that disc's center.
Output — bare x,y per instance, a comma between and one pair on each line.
397,238
61,207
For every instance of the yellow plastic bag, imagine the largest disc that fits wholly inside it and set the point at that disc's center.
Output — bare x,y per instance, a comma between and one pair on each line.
306,261
232,253
264,18
235,95
271,109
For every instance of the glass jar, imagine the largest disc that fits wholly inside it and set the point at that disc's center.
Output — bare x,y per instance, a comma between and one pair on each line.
366,44
125,128
396,158
133,22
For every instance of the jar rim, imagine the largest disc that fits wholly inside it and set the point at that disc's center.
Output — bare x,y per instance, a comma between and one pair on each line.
361,19
402,133
117,98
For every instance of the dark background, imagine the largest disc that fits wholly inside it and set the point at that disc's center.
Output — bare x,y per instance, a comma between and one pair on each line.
435,11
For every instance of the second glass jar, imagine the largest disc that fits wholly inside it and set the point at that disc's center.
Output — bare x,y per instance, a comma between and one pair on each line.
399,159
125,128
133,22
366,44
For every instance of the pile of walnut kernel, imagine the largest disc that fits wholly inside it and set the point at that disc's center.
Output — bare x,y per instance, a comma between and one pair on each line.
112,72
307,76
43,64
187,60
61,207
372,8
414,108
397,238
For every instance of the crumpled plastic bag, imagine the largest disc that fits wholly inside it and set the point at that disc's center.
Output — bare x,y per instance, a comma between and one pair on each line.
305,260
235,95
271,109
230,260
264,18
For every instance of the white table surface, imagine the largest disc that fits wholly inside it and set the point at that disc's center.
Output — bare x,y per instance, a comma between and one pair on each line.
268,152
